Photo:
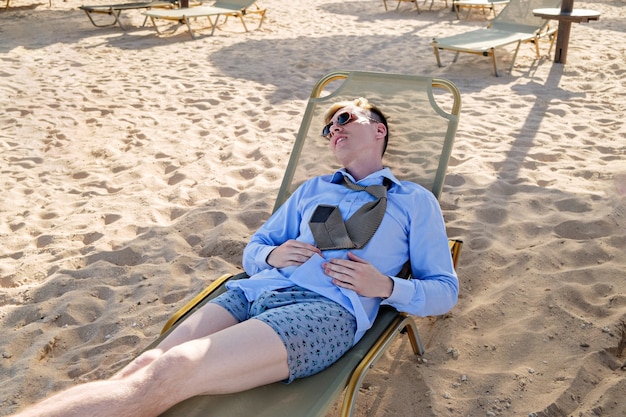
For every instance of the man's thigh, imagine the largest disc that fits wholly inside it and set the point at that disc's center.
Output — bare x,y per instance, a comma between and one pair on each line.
208,319
239,357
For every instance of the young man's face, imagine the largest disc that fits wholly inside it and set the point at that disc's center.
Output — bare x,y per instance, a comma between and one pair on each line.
352,133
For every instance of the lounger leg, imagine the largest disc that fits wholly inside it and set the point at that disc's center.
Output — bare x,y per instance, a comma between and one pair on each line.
262,12
384,4
515,55
552,38
537,46
155,25
117,19
213,24
112,13
456,56
495,62
437,56
401,323
186,20
414,338
174,29
242,21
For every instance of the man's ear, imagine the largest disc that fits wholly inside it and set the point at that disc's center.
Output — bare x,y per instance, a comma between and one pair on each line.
381,130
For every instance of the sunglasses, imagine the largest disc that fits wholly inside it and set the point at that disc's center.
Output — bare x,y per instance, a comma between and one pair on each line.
343,119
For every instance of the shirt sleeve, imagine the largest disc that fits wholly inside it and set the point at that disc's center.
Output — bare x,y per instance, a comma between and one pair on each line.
434,288
283,225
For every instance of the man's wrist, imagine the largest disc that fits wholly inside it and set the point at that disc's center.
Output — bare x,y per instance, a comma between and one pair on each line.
390,288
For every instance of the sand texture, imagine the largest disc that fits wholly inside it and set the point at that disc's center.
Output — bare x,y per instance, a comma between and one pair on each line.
134,168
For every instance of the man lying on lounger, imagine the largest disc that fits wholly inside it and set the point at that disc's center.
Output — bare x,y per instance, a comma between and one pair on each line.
316,284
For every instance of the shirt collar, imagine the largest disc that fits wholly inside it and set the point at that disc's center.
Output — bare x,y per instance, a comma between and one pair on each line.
373,178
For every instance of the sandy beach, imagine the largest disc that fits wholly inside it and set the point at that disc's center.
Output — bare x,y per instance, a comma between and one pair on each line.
134,168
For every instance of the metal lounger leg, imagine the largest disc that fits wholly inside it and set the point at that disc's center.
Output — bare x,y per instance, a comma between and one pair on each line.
213,24
155,25
401,323
174,29
537,46
240,15
188,23
495,61
437,55
116,19
515,55
552,39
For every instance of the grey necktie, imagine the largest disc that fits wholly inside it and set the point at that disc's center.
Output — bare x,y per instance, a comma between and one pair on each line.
329,229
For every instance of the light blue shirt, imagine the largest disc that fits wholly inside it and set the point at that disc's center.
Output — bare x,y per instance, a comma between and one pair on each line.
412,228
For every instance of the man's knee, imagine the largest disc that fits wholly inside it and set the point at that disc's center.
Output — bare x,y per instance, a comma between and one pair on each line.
140,362
176,362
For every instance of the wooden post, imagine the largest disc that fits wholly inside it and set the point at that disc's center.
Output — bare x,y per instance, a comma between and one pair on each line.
566,16
562,37
567,6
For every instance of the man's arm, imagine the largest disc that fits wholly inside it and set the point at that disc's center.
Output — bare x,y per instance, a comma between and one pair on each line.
434,288
274,245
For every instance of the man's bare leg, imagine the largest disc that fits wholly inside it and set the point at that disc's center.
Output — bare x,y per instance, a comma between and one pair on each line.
209,319
236,358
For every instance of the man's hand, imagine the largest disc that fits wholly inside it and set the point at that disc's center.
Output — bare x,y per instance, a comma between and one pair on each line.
359,275
291,253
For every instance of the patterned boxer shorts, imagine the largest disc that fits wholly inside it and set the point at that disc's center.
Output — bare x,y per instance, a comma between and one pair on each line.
315,330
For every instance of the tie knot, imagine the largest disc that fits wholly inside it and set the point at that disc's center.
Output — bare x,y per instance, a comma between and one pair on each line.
378,191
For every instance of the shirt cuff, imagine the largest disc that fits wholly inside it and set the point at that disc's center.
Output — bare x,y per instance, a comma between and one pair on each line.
402,293
262,256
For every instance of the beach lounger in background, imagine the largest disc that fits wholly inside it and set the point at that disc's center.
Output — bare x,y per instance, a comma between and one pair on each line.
477,4
114,10
515,24
423,139
400,1
9,1
227,8
413,1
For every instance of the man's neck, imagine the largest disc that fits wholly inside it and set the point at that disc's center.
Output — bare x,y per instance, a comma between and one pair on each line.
361,171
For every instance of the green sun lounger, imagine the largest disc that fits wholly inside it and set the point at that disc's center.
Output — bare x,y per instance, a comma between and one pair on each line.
514,25
423,126
114,10
227,8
